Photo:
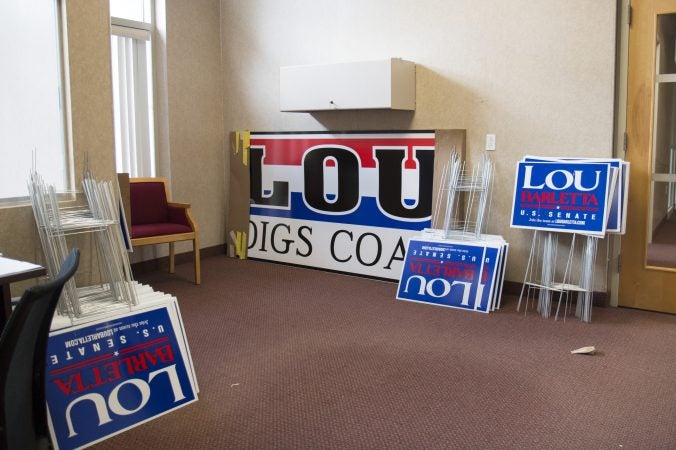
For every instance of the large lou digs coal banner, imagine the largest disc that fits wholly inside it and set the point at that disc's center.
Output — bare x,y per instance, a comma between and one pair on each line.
339,201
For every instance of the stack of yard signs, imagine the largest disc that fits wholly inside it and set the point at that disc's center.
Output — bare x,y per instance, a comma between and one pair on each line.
107,374
582,196
454,272
573,195
458,266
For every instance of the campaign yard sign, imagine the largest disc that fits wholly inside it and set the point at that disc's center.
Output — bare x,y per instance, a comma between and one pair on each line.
106,377
345,202
453,273
567,196
617,203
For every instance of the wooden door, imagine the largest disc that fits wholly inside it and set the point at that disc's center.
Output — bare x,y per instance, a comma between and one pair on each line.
645,284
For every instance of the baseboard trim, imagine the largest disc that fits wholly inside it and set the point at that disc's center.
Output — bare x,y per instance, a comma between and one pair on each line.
179,258
512,288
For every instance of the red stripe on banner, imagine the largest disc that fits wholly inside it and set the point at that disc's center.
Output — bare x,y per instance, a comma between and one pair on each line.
289,152
410,163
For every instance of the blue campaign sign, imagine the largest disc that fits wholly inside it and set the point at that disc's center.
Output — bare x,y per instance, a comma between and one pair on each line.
562,196
617,203
500,276
110,376
488,277
447,273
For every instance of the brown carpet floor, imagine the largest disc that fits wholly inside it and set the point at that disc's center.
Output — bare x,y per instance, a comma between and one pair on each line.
666,232
662,250
289,358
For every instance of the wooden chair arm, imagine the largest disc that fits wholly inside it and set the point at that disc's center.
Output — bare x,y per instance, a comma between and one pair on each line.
178,205
191,220
183,213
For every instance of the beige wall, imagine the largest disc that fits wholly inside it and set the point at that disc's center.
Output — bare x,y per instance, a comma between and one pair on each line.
538,74
195,113
91,93
91,127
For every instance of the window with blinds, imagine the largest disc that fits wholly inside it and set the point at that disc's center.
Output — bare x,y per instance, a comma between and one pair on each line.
132,73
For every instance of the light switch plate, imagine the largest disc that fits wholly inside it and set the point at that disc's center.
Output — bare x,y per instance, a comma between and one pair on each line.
490,142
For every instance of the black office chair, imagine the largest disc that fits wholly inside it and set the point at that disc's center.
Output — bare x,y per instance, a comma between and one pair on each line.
23,347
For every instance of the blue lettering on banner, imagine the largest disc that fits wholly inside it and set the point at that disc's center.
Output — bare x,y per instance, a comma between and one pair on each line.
107,377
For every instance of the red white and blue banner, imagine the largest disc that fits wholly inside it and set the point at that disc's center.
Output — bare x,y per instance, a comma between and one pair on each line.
463,274
346,202
105,377
586,196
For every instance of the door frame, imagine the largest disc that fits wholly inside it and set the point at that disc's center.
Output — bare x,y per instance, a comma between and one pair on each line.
640,286
620,126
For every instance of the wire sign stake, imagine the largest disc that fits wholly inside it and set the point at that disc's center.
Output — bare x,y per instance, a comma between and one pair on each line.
97,221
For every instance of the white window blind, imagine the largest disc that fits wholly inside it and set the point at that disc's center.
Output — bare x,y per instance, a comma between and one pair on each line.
133,100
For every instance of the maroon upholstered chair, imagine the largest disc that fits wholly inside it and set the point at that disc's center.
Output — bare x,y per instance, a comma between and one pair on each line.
157,220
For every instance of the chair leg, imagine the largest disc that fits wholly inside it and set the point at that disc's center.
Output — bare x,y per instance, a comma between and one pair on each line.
171,257
196,252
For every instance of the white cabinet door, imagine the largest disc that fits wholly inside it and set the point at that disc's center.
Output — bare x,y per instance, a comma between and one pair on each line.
383,84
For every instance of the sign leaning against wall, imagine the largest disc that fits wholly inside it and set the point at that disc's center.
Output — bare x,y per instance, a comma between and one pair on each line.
107,376
346,202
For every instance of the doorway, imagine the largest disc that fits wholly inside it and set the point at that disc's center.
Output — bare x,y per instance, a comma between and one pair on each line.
648,272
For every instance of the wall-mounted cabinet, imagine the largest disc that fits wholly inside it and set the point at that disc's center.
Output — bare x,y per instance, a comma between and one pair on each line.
381,84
